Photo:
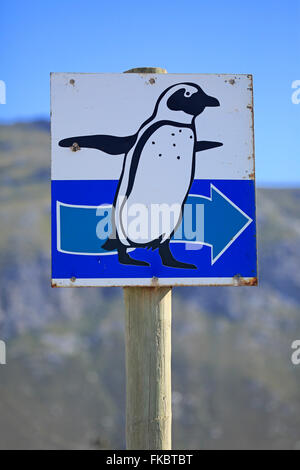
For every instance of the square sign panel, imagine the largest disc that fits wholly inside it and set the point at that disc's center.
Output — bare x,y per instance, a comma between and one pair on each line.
152,180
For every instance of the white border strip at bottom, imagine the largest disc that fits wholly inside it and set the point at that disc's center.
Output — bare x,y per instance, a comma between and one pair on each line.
152,282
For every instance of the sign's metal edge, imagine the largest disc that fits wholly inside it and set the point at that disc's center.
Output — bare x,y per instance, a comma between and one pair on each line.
51,76
155,282
151,73
254,174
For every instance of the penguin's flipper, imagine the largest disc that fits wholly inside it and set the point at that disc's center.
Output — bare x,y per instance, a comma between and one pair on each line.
206,144
107,143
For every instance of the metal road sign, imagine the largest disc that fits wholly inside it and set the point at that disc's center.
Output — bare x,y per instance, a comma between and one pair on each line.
152,180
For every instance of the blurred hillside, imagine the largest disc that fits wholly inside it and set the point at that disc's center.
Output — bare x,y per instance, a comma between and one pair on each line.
233,382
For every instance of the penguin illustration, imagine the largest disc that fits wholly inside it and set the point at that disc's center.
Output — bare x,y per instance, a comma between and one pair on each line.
158,169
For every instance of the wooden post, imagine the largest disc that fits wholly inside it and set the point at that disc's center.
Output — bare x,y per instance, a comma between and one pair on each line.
148,360
148,367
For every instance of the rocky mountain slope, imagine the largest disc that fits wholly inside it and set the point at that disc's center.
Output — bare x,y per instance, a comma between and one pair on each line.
234,385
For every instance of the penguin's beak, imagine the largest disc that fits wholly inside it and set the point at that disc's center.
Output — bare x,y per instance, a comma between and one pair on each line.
201,101
211,101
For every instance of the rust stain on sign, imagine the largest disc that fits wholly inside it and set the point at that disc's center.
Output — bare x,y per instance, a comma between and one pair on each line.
75,147
154,281
238,280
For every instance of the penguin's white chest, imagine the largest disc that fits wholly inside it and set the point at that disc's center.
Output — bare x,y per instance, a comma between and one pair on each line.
161,182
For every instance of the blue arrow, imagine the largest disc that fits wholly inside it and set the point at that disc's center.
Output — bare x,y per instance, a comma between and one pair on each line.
214,221
221,223
77,228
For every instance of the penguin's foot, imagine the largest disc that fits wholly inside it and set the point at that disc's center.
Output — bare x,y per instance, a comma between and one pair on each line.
178,264
168,259
124,258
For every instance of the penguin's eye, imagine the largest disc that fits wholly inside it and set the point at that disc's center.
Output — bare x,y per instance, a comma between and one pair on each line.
187,93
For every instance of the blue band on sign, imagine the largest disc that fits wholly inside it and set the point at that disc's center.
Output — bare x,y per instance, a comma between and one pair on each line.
218,219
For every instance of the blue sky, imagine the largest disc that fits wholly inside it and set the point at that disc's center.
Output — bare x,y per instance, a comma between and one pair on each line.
260,37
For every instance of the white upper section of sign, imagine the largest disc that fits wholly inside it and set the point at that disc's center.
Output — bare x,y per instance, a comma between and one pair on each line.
117,104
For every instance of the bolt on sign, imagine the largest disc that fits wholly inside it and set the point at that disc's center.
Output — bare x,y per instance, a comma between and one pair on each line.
152,180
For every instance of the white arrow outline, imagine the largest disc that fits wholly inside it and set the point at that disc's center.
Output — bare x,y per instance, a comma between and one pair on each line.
58,232
106,206
213,260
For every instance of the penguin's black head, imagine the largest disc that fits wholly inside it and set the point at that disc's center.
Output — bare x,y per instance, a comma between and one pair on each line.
191,99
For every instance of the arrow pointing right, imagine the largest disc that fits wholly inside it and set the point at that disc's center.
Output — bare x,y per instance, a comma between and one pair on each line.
214,221
222,222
